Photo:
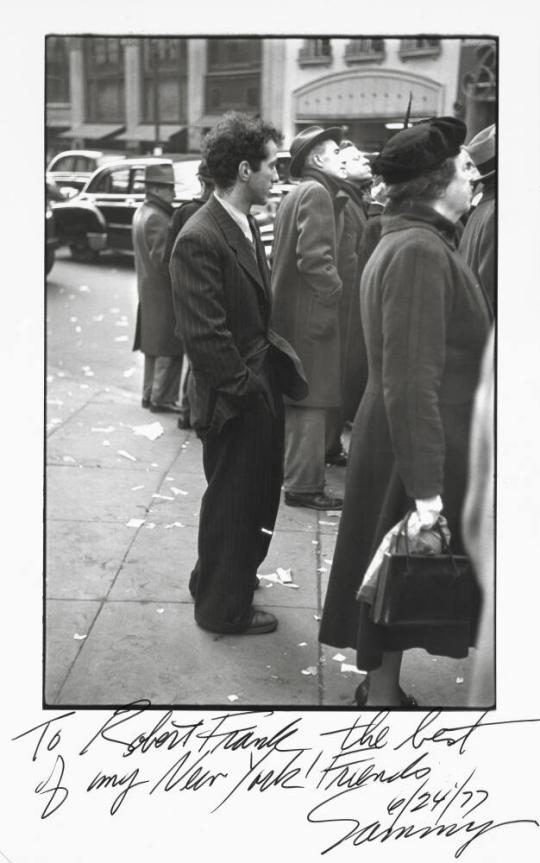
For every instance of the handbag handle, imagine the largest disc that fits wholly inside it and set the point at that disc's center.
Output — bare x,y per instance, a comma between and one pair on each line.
444,542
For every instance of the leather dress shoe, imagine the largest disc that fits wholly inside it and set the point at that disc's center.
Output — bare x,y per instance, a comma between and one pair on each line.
168,408
261,622
313,500
407,702
184,423
338,459
145,403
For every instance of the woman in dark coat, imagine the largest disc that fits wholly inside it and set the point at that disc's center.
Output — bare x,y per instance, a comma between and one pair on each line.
425,321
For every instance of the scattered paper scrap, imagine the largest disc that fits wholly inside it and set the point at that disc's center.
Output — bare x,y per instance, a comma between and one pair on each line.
169,478
460,679
129,373
163,496
303,644
135,522
174,524
50,379
160,610
316,617
151,430
232,697
68,459
312,669
325,560
346,667
106,443
125,454
78,637
265,530
150,525
322,569
178,490
106,430
61,374
154,464
284,575
339,657
137,487
78,329
84,289
121,338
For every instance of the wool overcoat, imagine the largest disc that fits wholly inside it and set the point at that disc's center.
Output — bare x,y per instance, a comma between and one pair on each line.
307,287
426,320
156,323
477,244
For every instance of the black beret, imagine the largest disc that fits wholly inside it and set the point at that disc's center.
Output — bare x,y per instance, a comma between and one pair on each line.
425,146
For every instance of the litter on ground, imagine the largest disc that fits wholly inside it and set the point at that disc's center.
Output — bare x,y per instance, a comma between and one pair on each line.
125,454
106,430
347,667
177,490
78,637
135,522
232,697
151,430
312,669
339,657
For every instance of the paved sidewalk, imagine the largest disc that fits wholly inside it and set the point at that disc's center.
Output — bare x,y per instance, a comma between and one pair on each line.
119,617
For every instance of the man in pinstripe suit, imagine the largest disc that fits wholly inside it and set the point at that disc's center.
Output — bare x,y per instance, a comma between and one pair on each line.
240,368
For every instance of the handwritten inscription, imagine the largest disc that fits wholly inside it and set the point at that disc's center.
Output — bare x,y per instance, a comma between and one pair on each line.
370,782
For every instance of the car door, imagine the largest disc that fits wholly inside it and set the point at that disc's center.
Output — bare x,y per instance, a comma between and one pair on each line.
109,194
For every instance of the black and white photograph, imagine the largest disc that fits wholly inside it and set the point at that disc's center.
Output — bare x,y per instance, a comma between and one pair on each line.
271,288
270,421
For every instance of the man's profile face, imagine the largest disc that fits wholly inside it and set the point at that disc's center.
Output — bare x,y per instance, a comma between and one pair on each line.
260,182
331,161
357,165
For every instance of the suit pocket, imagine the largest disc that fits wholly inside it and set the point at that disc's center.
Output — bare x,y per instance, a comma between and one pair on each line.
323,323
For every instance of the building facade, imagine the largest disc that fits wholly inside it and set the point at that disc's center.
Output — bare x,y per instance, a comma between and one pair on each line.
140,94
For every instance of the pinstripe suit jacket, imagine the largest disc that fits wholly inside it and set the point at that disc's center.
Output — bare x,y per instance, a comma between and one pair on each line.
222,305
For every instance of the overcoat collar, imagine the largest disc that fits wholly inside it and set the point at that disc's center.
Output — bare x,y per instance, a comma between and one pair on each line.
237,241
338,195
411,213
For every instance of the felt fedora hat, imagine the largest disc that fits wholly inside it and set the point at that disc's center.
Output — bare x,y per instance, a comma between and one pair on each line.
160,174
420,148
481,149
305,140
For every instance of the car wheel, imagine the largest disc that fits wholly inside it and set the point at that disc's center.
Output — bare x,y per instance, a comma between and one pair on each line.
81,251
49,261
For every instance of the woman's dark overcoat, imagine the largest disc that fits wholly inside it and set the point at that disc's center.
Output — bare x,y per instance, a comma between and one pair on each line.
425,321
156,322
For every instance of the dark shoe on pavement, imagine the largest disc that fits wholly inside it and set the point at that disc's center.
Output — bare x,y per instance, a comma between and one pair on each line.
313,500
145,403
361,696
337,459
261,622
169,408
184,423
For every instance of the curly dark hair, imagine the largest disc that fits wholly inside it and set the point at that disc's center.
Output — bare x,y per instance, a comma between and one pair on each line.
234,139
427,187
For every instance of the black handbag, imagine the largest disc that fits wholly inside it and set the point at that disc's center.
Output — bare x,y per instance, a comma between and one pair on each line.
423,590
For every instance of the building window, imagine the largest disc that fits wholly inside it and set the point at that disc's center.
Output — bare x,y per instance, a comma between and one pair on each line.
480,84
233,80
364,50
104,72
57,59
166,59
315,52
419,48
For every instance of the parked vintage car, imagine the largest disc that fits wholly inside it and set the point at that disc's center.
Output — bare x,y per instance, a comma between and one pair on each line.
72,169
100,217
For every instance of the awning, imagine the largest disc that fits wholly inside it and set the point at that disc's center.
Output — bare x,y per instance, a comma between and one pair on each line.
97,131
147,132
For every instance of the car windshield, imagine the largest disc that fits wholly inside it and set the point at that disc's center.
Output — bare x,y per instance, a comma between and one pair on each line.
186,182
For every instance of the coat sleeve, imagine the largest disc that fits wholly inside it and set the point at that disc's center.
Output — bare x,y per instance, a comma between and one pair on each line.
416,302
201,320
316,244
157,241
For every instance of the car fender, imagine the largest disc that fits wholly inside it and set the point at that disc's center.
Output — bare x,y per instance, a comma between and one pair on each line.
75,217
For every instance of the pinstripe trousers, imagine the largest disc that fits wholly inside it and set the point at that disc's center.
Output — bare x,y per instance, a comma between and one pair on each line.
243,466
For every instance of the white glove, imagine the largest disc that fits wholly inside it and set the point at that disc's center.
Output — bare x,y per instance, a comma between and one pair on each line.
428,511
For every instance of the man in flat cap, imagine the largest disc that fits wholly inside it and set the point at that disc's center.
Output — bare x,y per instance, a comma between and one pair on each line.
307,291
155,336
477,244
239,370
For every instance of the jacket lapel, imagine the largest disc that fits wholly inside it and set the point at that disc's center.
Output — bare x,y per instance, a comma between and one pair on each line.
237,241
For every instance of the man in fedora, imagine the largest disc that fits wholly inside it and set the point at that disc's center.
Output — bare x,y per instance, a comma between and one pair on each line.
239,370
477,244
307,292
155,335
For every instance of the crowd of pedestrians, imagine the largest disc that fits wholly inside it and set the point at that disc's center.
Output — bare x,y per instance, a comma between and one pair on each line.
375,313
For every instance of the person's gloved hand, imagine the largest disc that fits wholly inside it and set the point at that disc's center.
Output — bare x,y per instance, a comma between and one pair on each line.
425,516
